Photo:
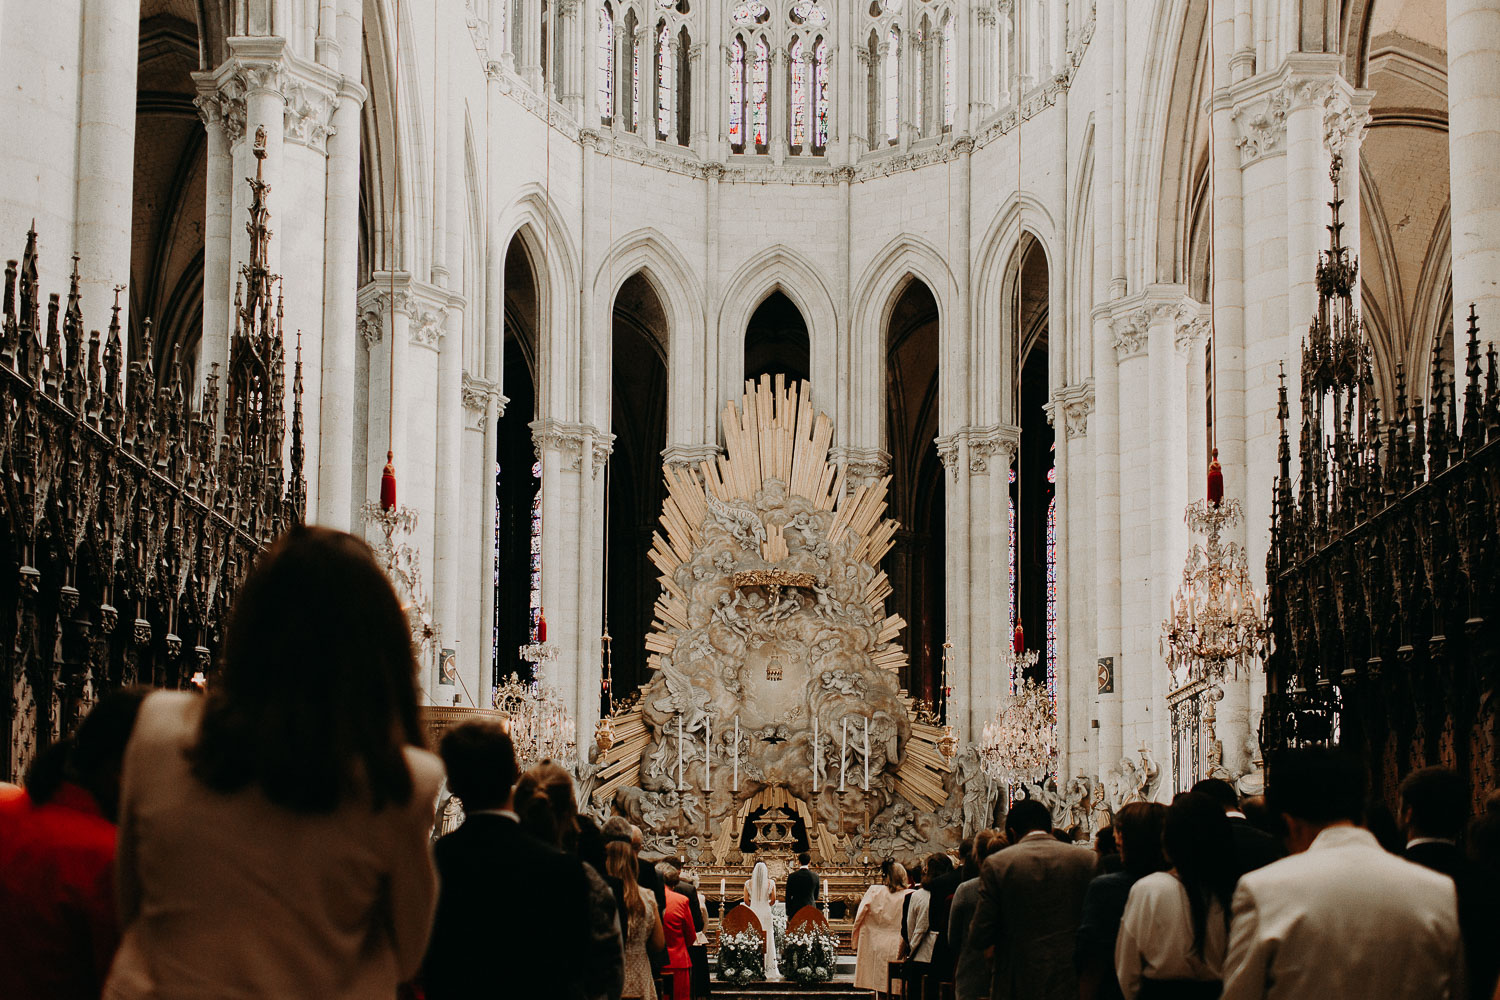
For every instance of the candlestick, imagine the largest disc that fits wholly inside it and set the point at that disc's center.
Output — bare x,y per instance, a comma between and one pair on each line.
867,753
843,753
679,751
708,750
815,756
736,753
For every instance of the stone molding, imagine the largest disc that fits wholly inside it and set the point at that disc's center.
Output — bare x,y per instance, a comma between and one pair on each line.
1306,81
425,306
309,92
978,445
1076,403
861,465
569,441
1131,319
478,393
688,457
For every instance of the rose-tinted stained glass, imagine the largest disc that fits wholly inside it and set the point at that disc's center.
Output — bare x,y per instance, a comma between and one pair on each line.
1015,602
799,93
737,94
663,82
1052,588
760,92
536,549
606,60
820,95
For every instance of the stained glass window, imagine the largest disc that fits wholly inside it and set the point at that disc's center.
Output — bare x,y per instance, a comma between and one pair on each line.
606,67
1052,588
759,93
1015,598
949,101
663,81
737,94
799,93
536,550
892,82
499,523
633,37
820,95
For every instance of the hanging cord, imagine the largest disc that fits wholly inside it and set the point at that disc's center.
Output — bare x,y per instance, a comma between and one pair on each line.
1213,271
388,475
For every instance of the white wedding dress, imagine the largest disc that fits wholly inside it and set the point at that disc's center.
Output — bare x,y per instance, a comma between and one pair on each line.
760,905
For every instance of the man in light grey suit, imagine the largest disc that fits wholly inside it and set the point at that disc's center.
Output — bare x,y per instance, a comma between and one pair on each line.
1340,917
1030,899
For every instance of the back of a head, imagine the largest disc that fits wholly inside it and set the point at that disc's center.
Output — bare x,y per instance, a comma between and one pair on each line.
481,763
986,842
936,866
616,828
47,771
804,858
1317,786
546,805
1219,791
1027,816
590,842
895,877
317,699
1436,802
99,745
668,873
620,864
1200,845
1138,829
1105,841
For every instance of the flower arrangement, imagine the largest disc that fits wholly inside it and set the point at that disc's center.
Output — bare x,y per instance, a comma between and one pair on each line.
742,957
808,955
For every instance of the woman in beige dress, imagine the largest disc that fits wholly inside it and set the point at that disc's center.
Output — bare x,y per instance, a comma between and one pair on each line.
877,930
642,922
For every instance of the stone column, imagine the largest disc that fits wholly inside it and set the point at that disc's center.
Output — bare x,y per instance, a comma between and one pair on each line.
675,48
1007,11
340,279
966,713
106,152
451,608
859,104
778,105
1134,666
698,93
1108,742
218,267
1474,164
530,29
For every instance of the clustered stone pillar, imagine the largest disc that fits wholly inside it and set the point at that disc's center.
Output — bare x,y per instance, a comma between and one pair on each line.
1474,163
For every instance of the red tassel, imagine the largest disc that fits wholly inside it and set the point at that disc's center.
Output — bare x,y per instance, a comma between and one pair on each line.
1019,643
1215,480
541,626
388,483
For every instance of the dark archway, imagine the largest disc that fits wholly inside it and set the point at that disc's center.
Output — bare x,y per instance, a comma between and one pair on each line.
635,489
518,482
1032,486
915,563
776,341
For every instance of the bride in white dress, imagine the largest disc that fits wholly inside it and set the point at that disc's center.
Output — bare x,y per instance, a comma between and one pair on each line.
762,892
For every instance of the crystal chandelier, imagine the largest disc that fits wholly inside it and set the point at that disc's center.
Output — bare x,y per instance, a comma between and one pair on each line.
1214,628
538,722
1019,744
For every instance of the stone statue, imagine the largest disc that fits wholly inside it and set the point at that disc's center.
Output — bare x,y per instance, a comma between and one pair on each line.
1075,802
1099,810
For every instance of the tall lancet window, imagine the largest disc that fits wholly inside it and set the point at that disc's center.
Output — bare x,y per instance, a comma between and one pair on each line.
950,102
536,552
737,95
606,64
920,73
820,96
1052,587
663,81
1015,597
760,86
799,74
892,83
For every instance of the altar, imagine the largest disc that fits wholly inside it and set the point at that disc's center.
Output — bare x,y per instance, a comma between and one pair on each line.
775,721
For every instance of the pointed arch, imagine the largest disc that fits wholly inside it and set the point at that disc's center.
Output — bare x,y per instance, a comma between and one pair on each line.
565,362
776,268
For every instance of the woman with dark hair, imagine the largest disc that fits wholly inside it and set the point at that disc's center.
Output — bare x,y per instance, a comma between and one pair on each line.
1176,925
641,921
1137,836
274,836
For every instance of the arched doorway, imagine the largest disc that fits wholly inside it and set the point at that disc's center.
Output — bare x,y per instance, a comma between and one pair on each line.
915,563
518,482
776,340
634,490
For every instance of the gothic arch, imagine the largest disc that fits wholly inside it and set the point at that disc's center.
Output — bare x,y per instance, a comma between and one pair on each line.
777,268
390,149
1077,361
990,388
535,218
1179,162
648,252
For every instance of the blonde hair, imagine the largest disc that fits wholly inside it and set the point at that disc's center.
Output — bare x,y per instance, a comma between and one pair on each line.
895,879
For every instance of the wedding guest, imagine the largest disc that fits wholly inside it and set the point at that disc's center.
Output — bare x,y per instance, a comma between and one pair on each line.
545,804
677,921
57,851
643,928
877,929
1176,924
1029,905
921,936
1253,847
274,835
688,885
971,971
1340,917
1138,830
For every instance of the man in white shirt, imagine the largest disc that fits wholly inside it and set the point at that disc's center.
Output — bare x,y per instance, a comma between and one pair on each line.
1340,917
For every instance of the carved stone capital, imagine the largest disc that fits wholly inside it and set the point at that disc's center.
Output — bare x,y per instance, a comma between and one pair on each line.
985,443
570,441
689,457
861,465
1076,403
947,449
1261,122
986,15
308,119
1130,333
478,392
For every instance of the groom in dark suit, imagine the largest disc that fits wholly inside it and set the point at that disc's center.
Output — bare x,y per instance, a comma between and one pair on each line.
801,886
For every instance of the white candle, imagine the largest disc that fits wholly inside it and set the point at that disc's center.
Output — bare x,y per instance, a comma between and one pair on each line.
843,753
679,752
736,753
815,755
722,893
867,753
708,750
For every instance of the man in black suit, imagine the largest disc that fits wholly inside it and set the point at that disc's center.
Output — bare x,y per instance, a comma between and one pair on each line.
503,893
1253,847
1434,808
801,886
